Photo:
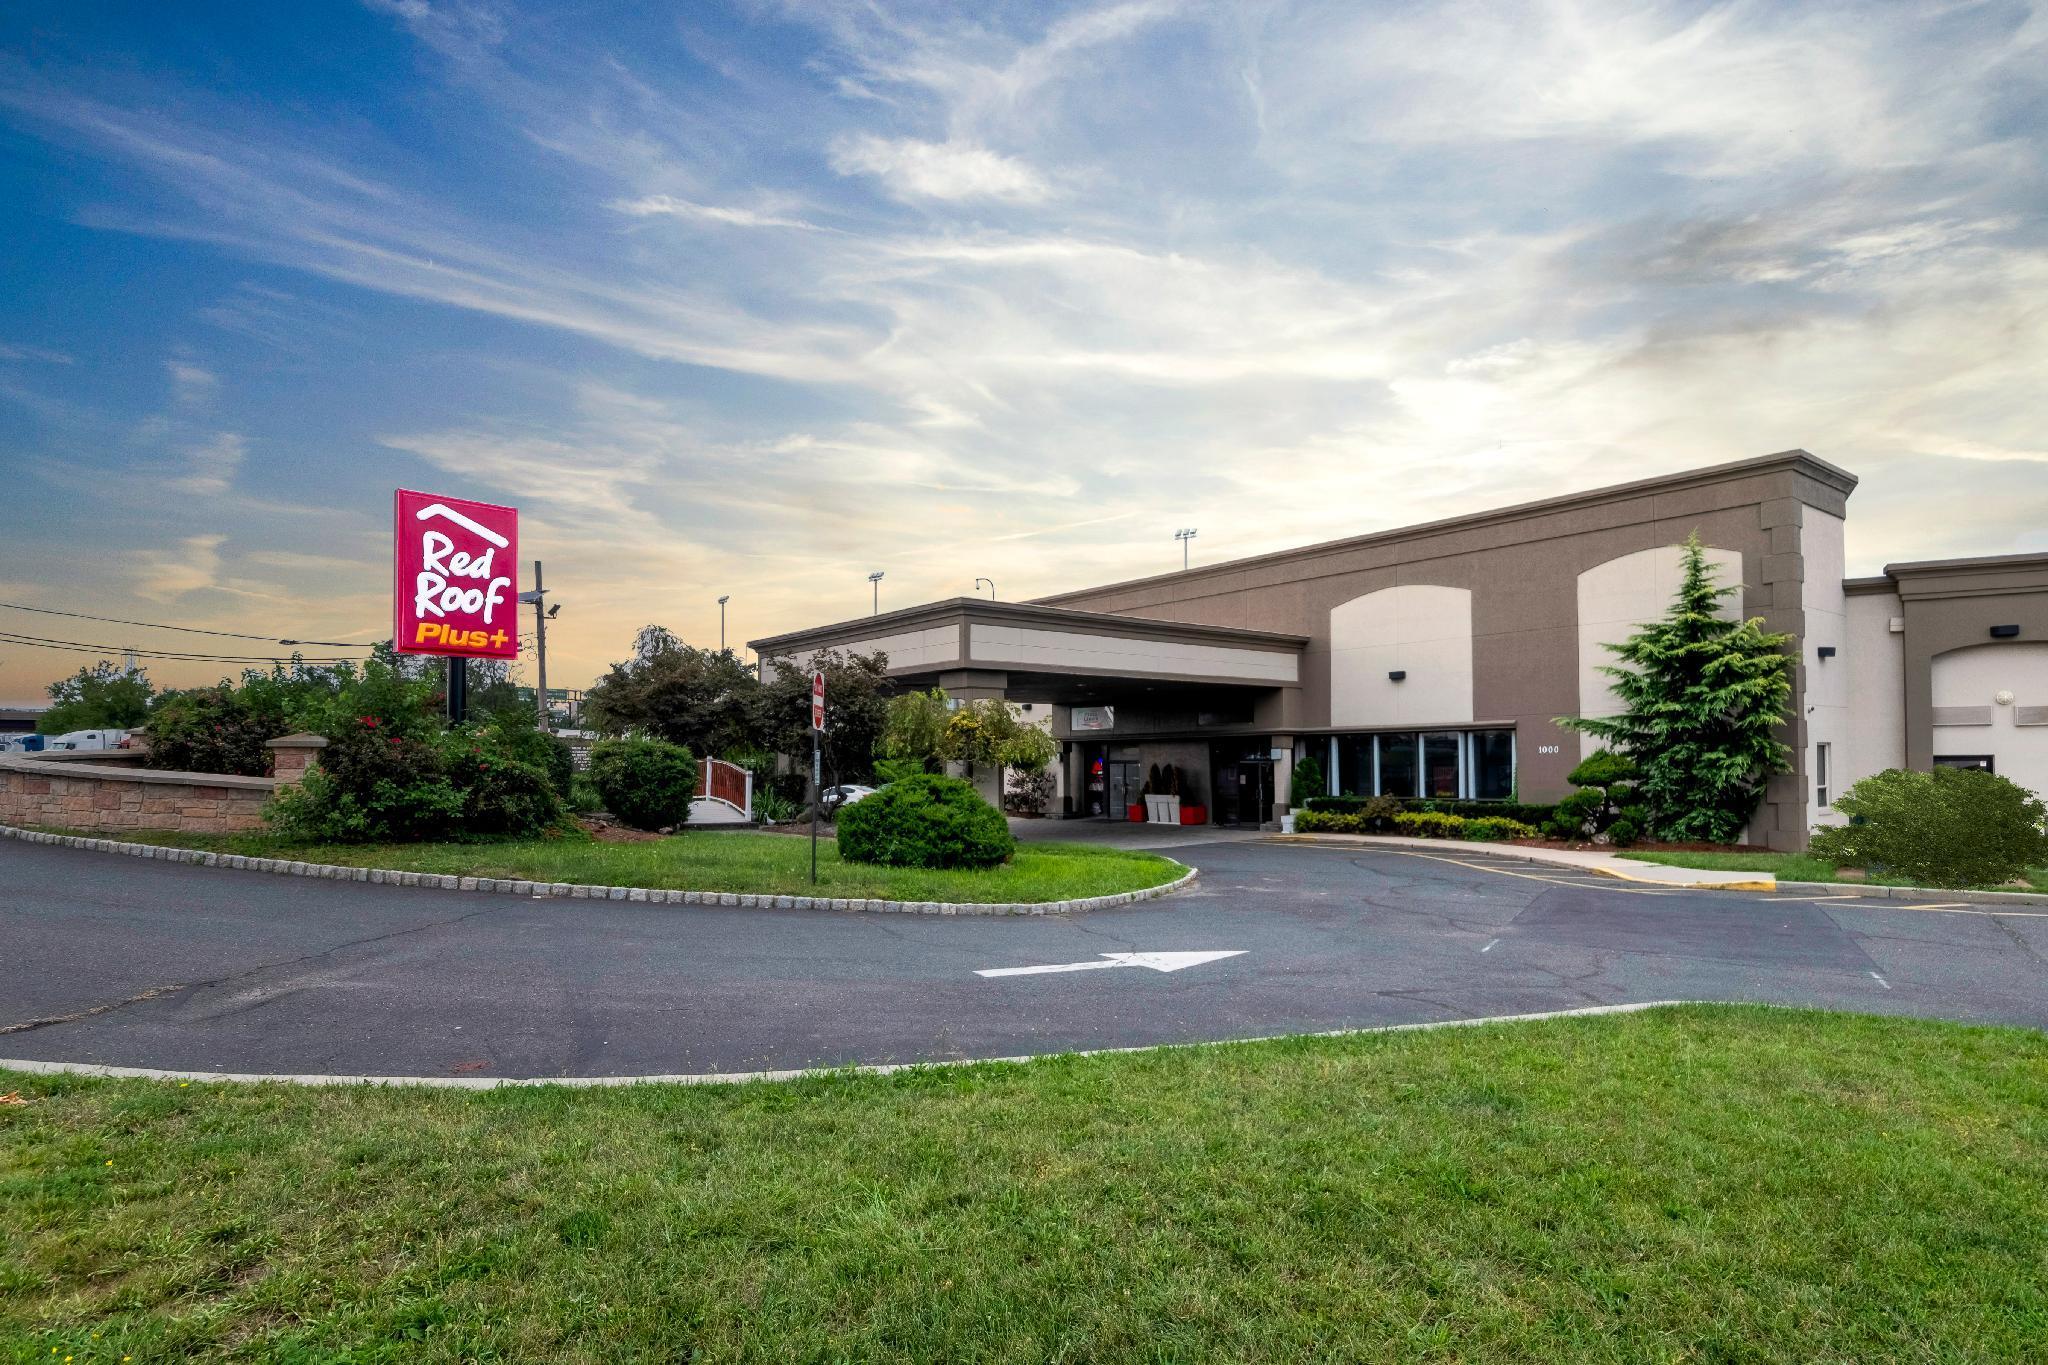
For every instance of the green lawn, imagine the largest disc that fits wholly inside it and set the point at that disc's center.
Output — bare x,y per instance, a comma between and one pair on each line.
1791,867
725,861
1699,1184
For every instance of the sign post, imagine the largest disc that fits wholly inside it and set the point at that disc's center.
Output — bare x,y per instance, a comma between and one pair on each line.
454,592
817,767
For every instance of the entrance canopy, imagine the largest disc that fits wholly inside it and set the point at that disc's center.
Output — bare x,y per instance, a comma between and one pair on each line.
1028,653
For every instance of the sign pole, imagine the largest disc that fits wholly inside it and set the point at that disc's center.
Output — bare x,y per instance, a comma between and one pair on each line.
458,689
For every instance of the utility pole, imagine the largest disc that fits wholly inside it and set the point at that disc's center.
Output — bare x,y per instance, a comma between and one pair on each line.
540,646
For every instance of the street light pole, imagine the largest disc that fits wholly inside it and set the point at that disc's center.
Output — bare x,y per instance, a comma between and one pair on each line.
721,621
1184,535
991,587
540,644
876,579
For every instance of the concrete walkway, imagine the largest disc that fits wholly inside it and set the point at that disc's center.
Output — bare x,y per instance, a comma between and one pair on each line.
1595,861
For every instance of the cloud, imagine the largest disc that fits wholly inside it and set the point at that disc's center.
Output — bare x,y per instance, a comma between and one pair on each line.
668,206
193,384
910,169
189,565
39,354
214,464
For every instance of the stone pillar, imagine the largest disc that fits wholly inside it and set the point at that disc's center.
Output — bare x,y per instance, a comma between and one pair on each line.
292,755
1283,774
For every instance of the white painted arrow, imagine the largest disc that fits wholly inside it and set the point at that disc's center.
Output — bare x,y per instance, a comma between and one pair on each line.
1158,962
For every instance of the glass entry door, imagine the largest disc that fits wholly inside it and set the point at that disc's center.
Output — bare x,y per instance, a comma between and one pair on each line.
1125,785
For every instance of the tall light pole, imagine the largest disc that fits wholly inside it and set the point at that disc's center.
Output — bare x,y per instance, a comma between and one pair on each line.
876,579
542,614
721,621
991,587
1184,535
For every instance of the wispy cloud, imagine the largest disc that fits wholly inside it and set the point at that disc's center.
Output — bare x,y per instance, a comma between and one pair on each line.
911,169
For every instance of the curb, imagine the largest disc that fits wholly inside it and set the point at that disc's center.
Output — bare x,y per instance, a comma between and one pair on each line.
572,891
150,1073
1769,885
1861,891
1509,851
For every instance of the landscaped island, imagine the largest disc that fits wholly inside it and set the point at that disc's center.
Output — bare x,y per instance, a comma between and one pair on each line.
1707,1183
735,861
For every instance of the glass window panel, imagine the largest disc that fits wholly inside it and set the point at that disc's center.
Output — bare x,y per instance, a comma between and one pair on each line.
1354,765
1399,759
1440,765
1493,763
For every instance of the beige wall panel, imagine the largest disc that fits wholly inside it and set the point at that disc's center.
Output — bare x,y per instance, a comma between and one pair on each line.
1617,597
1052,650
1973,678
1876,655
1420,629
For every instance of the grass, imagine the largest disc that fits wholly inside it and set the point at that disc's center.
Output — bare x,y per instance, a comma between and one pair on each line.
1698,1184
726,861
1795,867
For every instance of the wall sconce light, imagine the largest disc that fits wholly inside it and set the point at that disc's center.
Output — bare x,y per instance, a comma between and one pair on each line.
2004,632
1827,651
1397,674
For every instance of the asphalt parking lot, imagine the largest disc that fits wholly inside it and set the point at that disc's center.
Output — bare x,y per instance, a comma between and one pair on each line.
128,962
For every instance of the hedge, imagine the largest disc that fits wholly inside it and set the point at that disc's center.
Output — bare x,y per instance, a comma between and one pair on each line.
1527,813
1416,824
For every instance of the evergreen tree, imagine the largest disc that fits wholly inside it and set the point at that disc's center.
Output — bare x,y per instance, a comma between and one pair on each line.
1701,696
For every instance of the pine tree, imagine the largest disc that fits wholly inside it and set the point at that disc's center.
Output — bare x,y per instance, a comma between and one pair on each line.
1701,696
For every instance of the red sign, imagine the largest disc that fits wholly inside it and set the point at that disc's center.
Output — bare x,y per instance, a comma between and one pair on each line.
817,701
456,564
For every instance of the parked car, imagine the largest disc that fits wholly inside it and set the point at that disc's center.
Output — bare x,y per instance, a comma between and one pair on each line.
835,797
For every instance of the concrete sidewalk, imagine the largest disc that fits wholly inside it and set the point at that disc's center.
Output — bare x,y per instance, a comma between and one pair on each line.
1595,861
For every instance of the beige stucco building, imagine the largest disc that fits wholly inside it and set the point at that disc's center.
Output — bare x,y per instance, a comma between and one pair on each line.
1434,660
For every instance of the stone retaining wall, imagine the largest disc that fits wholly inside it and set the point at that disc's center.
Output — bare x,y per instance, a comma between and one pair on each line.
103,797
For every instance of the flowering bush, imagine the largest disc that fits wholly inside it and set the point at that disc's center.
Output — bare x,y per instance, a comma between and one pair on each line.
220,729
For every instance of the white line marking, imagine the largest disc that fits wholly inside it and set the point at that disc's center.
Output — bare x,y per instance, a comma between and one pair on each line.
1489,947
1158,962
148,1073
442,509
1880,981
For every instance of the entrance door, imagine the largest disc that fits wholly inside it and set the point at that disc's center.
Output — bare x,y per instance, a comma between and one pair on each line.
1254,793
1125,784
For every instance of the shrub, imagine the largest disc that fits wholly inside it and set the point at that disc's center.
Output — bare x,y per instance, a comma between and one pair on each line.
1623,832
516,736
1949,827
889,770
648,783
1498,827
371,787
1328,822
1528,813
214,730
501,796
1030,793
1429,825
925,821
1307,782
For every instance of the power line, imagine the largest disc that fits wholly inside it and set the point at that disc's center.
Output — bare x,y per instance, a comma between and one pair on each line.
190,630
40,642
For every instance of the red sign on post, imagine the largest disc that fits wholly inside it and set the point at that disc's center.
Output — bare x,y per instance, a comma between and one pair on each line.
455,564
817,701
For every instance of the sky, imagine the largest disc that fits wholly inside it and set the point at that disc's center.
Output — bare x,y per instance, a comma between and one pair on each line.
757,299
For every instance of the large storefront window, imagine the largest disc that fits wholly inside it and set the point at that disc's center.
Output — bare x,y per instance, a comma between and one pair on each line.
1493,765
1447,765
1400,765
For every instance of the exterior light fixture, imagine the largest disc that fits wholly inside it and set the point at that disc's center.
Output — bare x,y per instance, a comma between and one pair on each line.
991,587
1184,535
876,579
2004,632
1827,651
1397,674
721,621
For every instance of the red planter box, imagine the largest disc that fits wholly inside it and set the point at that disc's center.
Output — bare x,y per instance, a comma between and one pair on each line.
1193,815
1136,813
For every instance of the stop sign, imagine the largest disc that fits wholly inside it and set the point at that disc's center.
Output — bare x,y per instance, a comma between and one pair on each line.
817,701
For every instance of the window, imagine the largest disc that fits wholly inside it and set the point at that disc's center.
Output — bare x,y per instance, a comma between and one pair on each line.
1820,775
1440,765
1493,765
1983,763
1400,765
1354,765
